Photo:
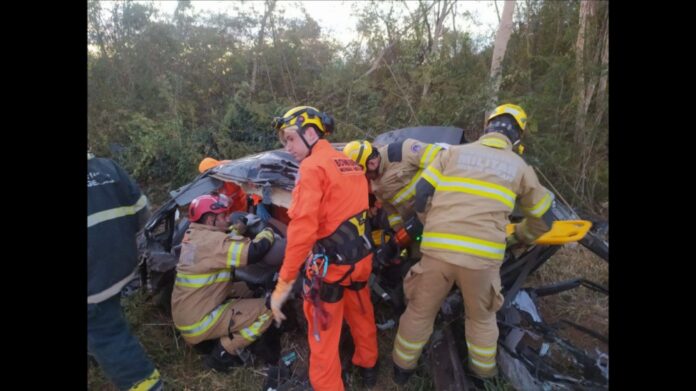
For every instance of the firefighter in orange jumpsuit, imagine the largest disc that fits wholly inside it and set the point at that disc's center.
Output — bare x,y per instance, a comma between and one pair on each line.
237,196
327,233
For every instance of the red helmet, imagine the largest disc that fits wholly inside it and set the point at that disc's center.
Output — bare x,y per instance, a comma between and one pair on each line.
209,203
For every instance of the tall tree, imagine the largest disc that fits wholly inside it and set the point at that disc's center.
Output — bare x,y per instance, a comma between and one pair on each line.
584,92
500,46
270,5
443,9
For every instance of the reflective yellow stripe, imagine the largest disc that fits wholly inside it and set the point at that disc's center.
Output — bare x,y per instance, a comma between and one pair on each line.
410,345
464,244
541,207
436,174
251,333
407,192
404,356
148,384
479,188
429,154
234,257
482,365
114,213
394,219
430,175
494,142
199,280
410,190
481,351
204,324
470,186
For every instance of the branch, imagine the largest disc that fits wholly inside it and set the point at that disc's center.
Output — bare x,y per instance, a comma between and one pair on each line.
405,96
376,62
497,11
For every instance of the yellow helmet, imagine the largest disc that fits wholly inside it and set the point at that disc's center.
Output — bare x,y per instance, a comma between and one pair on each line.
359,151
303,116
516,111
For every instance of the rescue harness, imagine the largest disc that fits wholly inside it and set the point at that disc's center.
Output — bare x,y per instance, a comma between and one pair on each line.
347,245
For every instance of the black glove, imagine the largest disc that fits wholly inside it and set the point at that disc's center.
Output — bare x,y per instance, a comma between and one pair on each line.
384,255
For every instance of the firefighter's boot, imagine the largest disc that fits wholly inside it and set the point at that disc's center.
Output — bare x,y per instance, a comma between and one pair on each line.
267,348
401,375
369,375
221,360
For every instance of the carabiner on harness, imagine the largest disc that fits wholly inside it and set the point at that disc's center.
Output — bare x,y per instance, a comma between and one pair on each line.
318,266
324,266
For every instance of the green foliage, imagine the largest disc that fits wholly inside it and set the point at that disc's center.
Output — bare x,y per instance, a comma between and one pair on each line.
170,91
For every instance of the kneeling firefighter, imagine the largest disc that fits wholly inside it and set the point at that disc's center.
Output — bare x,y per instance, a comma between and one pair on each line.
328,233
206,305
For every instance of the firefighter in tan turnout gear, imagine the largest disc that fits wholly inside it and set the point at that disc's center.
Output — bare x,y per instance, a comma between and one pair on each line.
464,199
206,305
393,171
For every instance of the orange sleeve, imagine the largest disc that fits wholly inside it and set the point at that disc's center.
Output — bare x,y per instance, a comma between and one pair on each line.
304,223
238,197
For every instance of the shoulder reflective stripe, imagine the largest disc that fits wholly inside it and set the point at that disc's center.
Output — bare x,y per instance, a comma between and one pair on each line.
430,177
199,280
486,352
494,142
410,190
464,244
234,254
204,324
406,357
482,364
542,206
394,219
149,383
429,154
114,213
252,333
410,345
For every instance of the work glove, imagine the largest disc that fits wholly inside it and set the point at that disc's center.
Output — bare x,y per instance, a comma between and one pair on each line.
263,213
266,233
512,242
238,228
278,298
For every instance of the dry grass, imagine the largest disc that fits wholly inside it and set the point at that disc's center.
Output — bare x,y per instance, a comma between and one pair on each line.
182,368
580,305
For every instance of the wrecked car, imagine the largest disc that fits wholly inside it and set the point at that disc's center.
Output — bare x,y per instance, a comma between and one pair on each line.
532,355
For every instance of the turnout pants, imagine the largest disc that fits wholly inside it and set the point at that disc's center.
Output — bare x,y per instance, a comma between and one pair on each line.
425,287
241,322
117,350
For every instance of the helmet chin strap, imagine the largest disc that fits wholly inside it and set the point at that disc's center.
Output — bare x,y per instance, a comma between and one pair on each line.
375,154
300,133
